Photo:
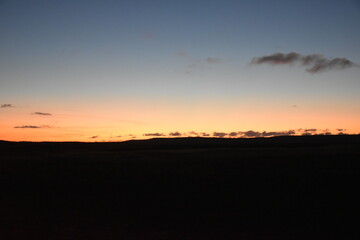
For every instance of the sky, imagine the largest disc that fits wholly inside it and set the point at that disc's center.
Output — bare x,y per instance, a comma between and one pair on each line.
113,70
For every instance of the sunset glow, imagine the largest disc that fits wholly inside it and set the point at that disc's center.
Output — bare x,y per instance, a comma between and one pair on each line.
121,70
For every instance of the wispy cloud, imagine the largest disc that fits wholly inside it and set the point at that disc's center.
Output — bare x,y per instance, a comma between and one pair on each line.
154,134
193,133
247,134
6,105
42,113
33,126
281,133
175,134
310,130
252,133
213,60
201,64
219,134
93,137
315,62
233,134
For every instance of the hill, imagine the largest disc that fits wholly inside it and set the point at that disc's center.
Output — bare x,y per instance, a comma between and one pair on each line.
181,188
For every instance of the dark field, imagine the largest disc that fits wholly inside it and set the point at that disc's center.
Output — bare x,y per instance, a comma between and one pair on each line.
187,188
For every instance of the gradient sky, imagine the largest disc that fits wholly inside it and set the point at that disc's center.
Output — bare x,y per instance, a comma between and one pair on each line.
86,70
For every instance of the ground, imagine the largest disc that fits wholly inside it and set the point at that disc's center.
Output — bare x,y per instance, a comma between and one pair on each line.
187,188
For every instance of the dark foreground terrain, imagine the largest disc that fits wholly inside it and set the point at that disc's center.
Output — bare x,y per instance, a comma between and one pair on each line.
187,188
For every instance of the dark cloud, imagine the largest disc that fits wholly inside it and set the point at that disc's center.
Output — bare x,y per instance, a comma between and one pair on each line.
341,129
314,62
175,134
321,64
205,135
154,134
6,105
278,58
32,126
233,134
42,113
282,133
219,134
310,130
306,134
267,134
93,137
251,133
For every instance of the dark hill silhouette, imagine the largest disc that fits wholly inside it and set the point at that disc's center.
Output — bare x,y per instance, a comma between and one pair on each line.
181,188
190,143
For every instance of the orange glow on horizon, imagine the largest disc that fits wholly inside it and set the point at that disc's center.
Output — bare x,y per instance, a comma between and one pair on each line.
92,122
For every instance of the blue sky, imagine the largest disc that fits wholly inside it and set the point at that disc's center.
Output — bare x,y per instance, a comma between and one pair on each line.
179,52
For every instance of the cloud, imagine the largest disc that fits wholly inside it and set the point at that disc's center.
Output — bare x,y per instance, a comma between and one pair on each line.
282,133
315,62
32,126
6,106
277,58
310,130
252,133
193,133
233,134
93,137
201,64
219,134
42,113
175,134
306,134
154,134
213,60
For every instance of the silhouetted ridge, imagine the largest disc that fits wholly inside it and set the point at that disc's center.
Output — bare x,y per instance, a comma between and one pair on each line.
185,143
291,185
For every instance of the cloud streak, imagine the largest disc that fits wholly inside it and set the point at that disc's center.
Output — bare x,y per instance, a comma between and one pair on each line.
213,60
219,134
33,126
154,135
315,62
175,134
6,106
42,113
